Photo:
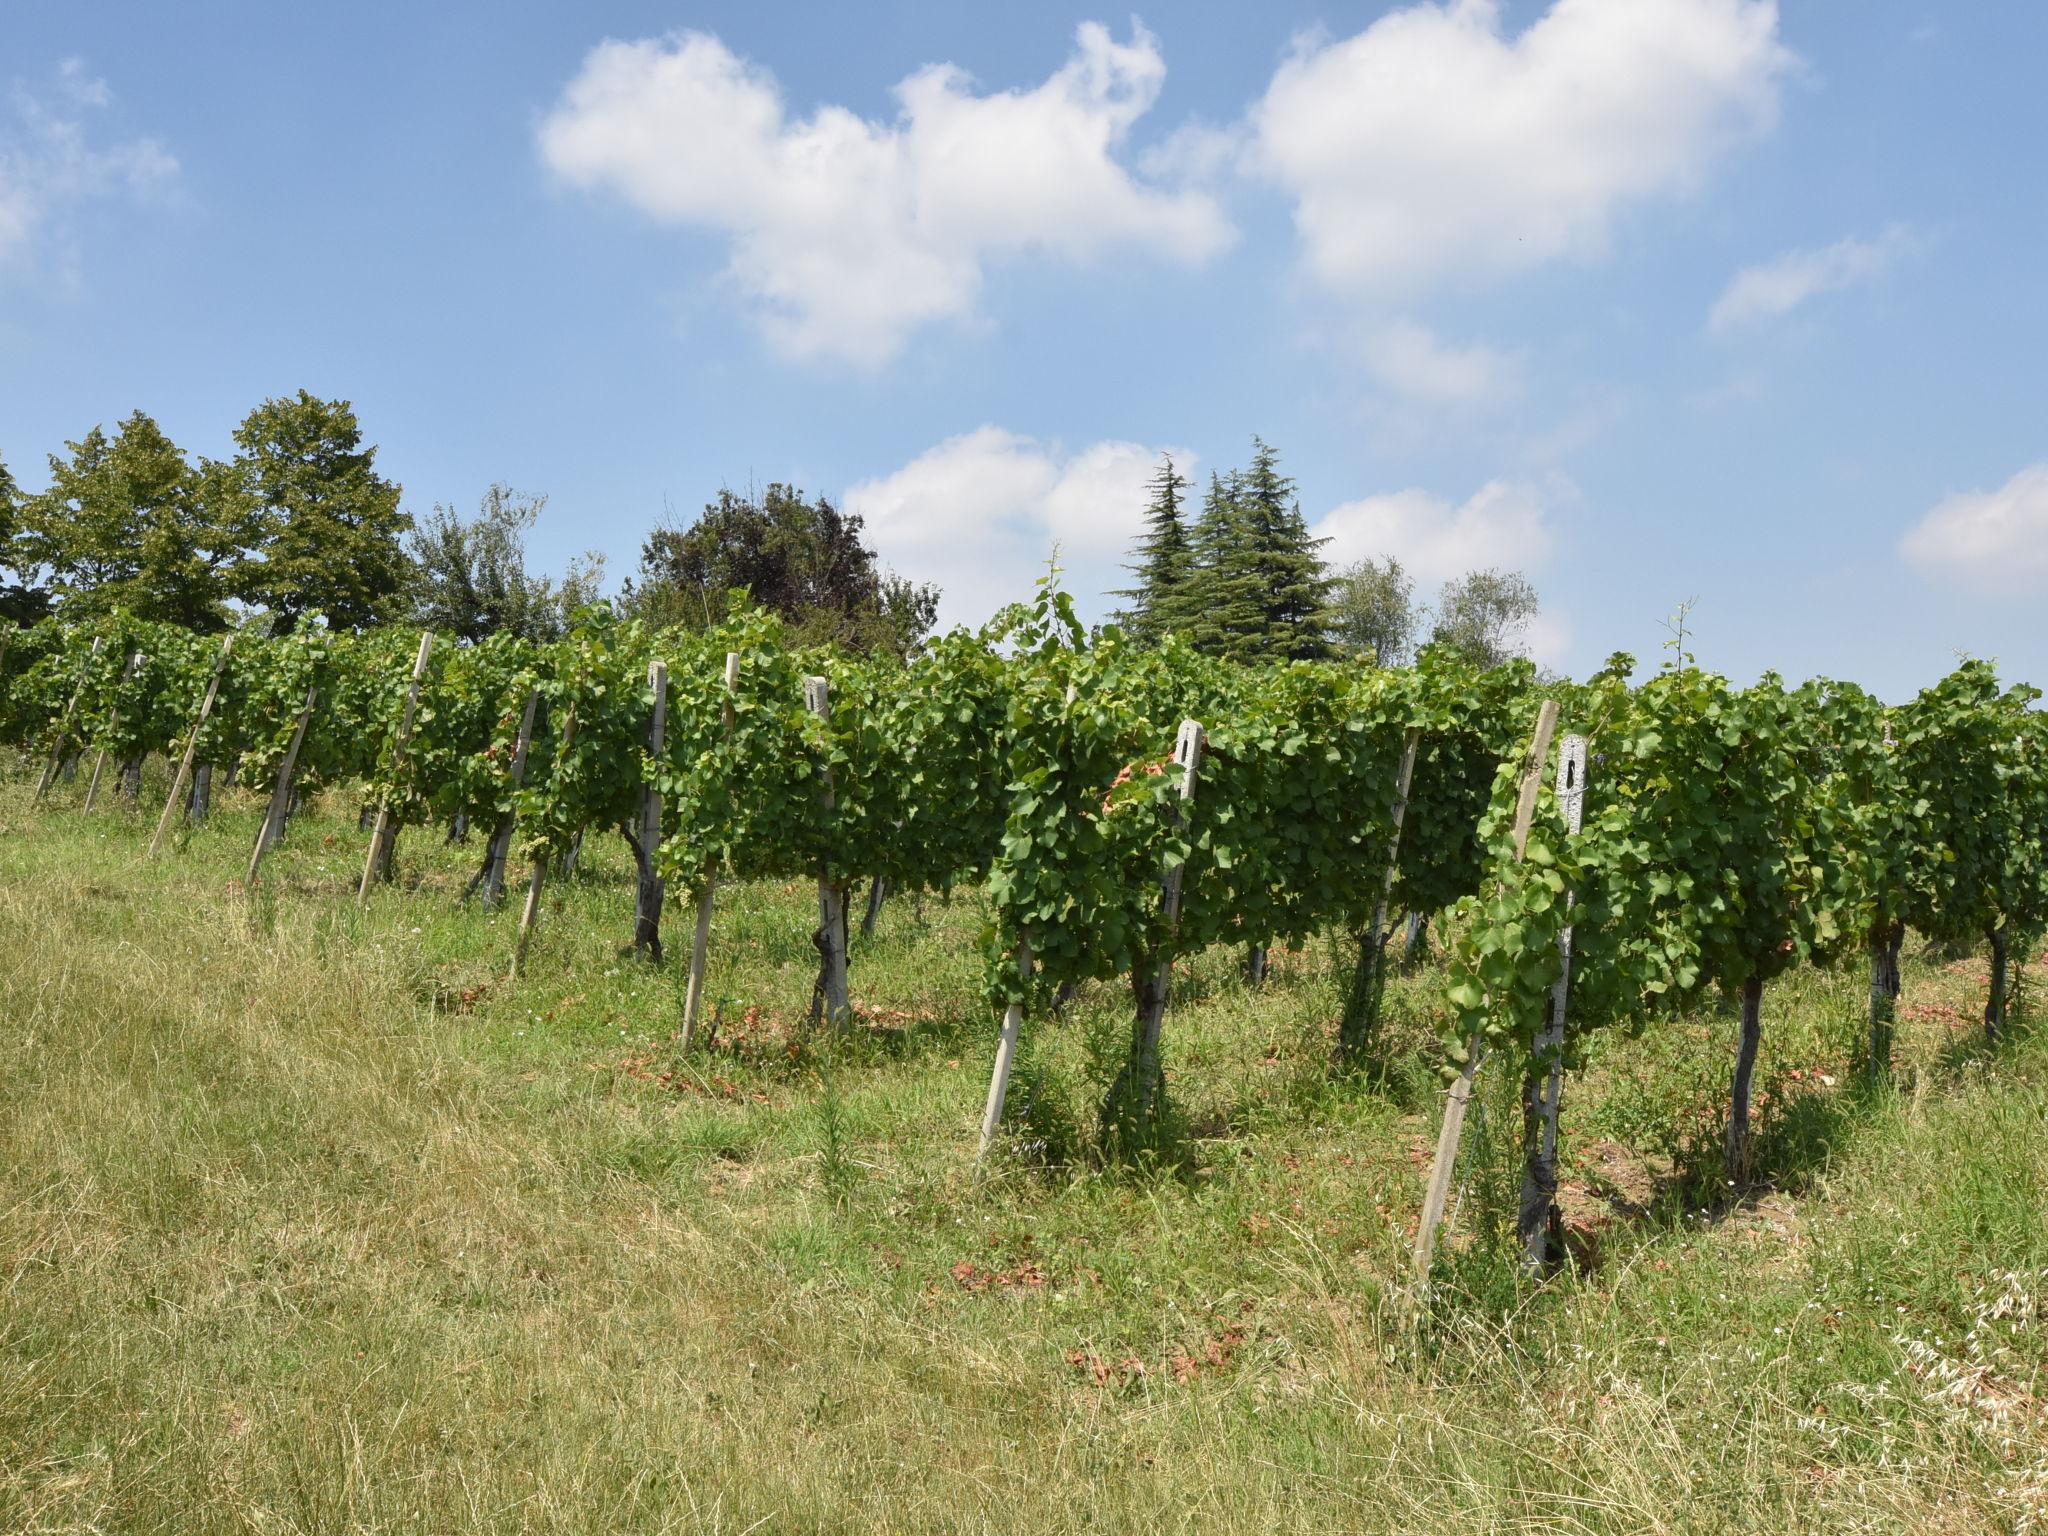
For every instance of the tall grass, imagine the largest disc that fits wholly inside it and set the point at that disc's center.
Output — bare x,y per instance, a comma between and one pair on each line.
310,1222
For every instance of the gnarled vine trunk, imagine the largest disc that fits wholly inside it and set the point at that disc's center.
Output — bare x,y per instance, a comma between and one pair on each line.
201,803
647,898
1994,1000
1738,1149
1883,941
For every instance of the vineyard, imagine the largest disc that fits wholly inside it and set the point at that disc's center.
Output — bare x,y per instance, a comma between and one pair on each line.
1599,854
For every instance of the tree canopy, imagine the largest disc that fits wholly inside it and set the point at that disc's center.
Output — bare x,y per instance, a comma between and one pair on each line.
470,578
803,560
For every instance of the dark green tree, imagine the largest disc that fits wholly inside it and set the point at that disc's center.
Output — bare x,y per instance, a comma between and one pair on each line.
126,523
330,524
1259,591
804,560
1165,563
470,578
21,600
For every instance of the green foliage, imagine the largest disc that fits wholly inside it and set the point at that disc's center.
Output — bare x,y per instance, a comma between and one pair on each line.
1165,564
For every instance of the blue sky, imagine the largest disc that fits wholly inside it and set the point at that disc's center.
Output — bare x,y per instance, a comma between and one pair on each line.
1652,299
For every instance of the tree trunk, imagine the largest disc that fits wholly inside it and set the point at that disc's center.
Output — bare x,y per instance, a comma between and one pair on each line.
647,898
1884,941
1130,1110
131,781
829,998
1255,960
574,856
201,803
69,770
877,889
1994,1001
1537,1219
387,856
1415,946
1360,1022
1738,1149
458,828
366,817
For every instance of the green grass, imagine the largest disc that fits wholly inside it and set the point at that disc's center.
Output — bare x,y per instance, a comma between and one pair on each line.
310,1221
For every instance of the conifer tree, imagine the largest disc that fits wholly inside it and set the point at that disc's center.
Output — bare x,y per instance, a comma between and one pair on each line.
1165,563
1259,592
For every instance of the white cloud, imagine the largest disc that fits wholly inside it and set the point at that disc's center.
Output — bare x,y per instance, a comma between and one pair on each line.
1989,541
1432,146
1773,289
979,514
1505,524
1410,361
49,162
848,234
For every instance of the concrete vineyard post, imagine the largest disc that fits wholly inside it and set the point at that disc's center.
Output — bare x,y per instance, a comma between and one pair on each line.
1006,1054
1439,1189
99,763
64,726
383,835
700,940
1540,1095
831,936
281,793
184,773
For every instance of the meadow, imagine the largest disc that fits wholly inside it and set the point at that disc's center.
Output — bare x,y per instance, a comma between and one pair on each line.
311,1221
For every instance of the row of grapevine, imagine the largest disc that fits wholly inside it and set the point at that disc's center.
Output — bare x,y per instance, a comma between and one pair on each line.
1126,806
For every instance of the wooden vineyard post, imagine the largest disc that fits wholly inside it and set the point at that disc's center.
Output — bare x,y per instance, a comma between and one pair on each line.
64,726
281,795
650,889
831,938
1461,1091
99,763
700,941
1540,1095
1006,1054
383,835
531,912
1362,1008
499,848
1134,1098
184,774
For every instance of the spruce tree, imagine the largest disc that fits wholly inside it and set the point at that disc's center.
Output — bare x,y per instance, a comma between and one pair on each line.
1165,563
1259,592
1223,613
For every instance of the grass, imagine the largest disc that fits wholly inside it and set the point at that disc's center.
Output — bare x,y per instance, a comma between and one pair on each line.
310,1222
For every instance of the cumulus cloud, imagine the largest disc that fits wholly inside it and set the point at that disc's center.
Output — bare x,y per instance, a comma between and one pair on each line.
1504,524
849,234
979,514
1409,361
1987,541
1434,146
1773,289
50,161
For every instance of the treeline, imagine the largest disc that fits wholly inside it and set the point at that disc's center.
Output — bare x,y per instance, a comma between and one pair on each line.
1241,577
299,521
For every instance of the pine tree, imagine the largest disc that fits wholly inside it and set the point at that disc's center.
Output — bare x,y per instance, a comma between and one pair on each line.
1259,592
1222,612
1165,563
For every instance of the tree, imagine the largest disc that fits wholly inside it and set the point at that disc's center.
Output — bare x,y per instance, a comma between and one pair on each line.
803,560
1165,562
21,601
127,523
330,524
1372,610
1258,592
1485,616
470,578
